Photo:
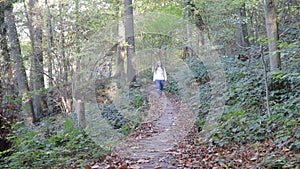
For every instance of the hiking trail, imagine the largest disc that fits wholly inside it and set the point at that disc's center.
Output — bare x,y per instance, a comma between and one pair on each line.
167,123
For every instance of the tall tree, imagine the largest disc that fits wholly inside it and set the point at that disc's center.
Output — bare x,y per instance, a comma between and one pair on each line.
49,56
76,76
36,58
194,14
6,73
120,70
66,93
129,38
19,66
188,50
272,33
242,27
243,14
63,43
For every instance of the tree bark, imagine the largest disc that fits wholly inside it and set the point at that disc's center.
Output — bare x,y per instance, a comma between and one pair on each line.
66,93
265,80
129,38
37,69
242,28
244,25
50,59
120,70
76,92
272,34
80,108
238,35
188,33
19,67
62,45
7,88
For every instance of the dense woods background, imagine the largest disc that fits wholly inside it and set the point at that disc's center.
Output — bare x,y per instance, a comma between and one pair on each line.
51,50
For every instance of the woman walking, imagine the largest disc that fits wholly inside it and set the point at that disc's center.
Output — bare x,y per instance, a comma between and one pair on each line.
159,77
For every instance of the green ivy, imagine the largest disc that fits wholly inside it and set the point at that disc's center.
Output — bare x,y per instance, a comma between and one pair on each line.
50,145
245,119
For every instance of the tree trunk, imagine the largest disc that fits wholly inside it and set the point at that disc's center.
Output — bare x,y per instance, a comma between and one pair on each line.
238,36
76,92
257,27
37,72
251,32
265,80
50,60
187,15
7,89
120,70
19,67
129,38
244,26
66,93
62,46
80,108
272,34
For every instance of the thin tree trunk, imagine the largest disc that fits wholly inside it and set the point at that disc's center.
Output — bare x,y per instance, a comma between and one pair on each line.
50,60
19,68
187,15
76,82
238,35
244,26
266,80
66,98
120,70
272,33
251,25
129,37
36,72
257,35
62,45
80,108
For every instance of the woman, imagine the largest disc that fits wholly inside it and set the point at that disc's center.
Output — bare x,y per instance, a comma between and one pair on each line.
159,77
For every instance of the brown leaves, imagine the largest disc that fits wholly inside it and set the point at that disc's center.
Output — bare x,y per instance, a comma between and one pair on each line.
113,161
144,130
190,154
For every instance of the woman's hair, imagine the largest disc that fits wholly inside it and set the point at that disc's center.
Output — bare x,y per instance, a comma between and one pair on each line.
157,65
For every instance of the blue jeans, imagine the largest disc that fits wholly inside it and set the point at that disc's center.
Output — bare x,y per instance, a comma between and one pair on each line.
159,85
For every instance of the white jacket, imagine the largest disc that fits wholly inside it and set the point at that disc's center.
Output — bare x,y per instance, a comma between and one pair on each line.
160,74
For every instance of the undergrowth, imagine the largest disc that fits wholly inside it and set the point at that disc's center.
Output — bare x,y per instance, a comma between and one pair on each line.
130,116
53,143
246,120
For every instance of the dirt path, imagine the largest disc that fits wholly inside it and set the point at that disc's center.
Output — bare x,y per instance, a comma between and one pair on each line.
166,124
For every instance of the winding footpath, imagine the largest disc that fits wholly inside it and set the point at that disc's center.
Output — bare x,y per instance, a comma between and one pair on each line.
168,122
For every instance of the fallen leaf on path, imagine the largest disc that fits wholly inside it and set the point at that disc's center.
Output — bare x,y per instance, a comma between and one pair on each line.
135,166
158,166
96,167
124,166
143,161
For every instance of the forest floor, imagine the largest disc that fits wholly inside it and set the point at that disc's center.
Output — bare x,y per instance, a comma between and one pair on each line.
168,139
